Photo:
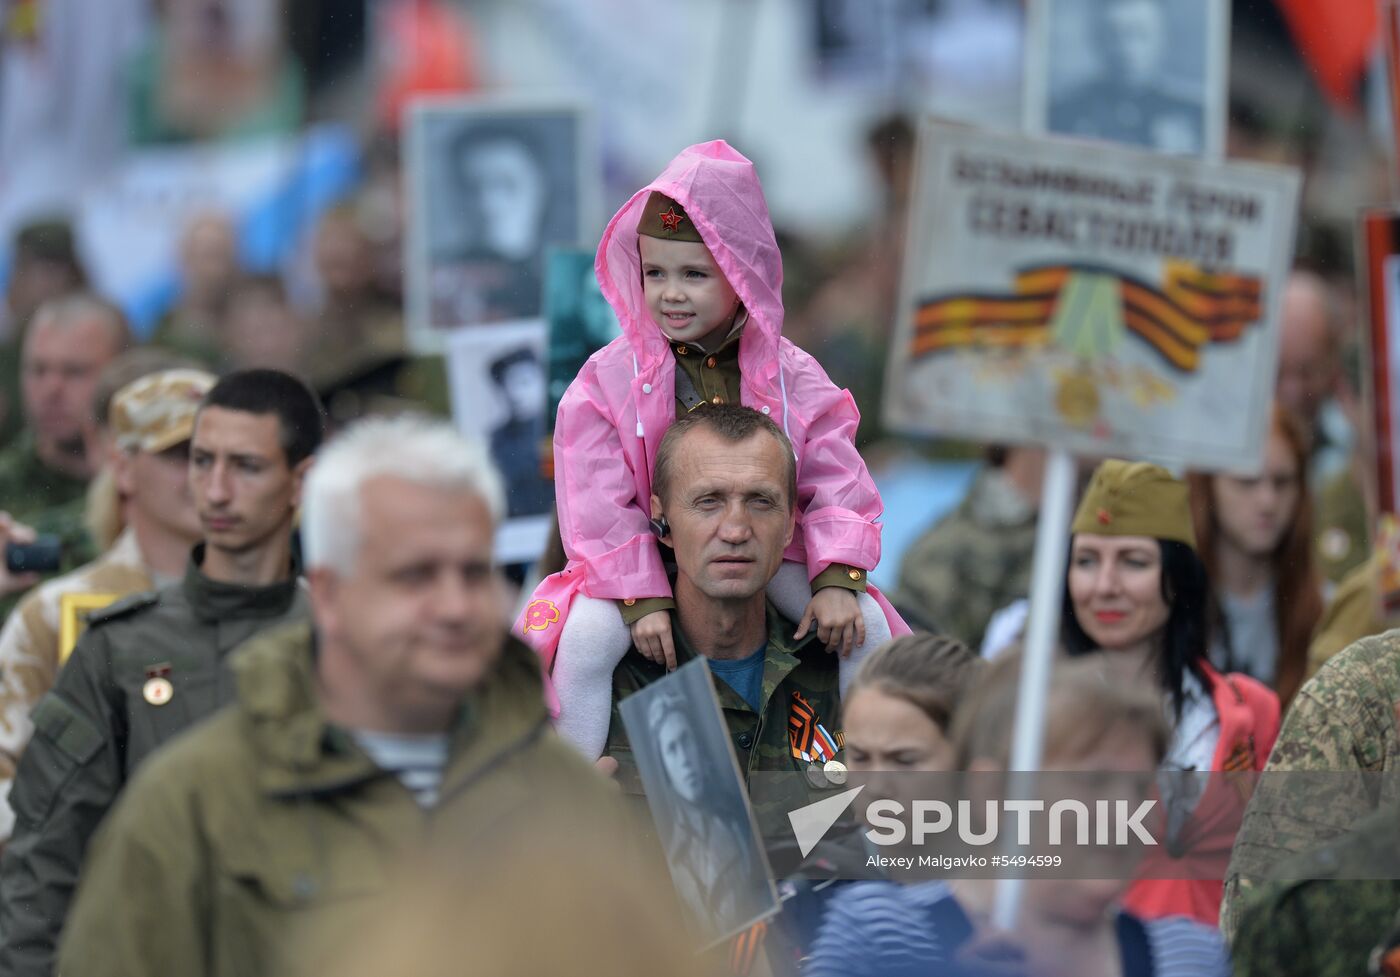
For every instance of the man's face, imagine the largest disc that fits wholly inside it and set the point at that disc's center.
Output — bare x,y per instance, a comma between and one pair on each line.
158,487
729,512
60,367
1133,38
245,491
680,755
419,616
1307,364
524,388
210,259
504,191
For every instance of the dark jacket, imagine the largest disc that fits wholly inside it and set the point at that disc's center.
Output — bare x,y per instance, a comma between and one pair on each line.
147,668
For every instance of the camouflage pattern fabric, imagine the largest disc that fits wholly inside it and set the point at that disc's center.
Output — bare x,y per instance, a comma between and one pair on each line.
1343,720
1334,916
972,563
28,487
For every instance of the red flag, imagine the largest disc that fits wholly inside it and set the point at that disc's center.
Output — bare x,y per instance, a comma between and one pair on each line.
1336,38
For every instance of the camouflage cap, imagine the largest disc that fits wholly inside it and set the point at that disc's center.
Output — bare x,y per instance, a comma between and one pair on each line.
664,218
157,411
1136,499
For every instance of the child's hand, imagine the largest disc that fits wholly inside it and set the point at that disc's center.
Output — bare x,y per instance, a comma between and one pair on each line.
836,613
652,636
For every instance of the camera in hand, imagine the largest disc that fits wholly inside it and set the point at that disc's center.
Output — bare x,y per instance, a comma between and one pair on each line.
41,556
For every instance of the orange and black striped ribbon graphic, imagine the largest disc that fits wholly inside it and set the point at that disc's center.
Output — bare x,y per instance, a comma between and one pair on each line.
744,949
1192,309
802,725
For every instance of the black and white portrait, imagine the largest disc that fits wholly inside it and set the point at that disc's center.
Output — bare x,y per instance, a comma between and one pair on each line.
492,188
698,802
499,391
1147,73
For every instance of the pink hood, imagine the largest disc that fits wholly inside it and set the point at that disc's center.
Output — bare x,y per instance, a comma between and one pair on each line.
719,190
612,417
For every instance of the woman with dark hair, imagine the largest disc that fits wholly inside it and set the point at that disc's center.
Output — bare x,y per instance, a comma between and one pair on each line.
1255,539
1136,594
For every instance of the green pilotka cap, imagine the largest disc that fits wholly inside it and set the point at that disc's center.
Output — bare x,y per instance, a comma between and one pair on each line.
663,218
1136,499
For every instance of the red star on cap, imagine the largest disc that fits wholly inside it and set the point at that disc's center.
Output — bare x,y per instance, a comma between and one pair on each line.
672,220
1105,517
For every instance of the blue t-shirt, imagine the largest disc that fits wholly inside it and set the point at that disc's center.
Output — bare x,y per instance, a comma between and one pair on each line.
744,675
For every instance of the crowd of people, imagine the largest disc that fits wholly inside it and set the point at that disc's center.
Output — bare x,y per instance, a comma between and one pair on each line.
277,709
277,694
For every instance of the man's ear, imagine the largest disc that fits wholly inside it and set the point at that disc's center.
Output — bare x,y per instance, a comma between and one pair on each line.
123,471
660,527
321,584
791,526
299,479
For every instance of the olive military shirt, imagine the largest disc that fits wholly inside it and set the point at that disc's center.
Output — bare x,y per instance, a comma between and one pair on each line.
760,738
147,668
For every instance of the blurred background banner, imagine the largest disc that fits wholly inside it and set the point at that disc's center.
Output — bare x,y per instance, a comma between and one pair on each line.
1097,299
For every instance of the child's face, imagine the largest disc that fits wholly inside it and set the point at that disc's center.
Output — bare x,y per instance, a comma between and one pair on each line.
688,296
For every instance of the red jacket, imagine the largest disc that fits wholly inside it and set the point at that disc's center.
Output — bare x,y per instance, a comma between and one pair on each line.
1191,884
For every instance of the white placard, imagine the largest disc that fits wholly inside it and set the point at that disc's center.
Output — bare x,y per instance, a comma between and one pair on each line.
1094,298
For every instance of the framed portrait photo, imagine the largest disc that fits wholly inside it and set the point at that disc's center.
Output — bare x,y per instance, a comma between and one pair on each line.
1147,73
698,803
493,184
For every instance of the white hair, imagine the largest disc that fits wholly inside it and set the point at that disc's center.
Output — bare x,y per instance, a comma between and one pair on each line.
416,449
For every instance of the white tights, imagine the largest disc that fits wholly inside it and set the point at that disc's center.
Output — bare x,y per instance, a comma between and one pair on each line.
595,640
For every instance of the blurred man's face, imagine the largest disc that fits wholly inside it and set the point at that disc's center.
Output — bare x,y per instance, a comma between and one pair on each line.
1133,38
524,386
158,487
1307,365
34,281
263,332
504,192
343,259
210,259
60,367
419,617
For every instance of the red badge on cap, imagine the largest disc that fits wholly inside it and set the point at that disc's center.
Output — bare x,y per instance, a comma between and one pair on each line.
671,220
1105,517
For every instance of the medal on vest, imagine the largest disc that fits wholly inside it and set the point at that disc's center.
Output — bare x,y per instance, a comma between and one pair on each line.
158,690
813,744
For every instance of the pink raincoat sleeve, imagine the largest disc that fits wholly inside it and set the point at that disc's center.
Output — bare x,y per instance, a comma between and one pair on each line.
840,503
603,525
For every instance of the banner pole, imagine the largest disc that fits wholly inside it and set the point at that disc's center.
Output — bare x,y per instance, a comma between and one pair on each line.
1042,637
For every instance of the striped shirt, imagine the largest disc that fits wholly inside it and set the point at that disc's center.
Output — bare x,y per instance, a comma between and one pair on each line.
418,761
885,929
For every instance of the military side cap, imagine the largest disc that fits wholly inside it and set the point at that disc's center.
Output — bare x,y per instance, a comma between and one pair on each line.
1136,499
664,218
157,411
665,704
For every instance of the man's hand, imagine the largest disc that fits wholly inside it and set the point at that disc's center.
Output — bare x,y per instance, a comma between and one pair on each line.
836,612
14,532
652,636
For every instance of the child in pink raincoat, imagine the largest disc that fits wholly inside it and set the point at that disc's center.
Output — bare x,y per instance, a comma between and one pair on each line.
691,267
